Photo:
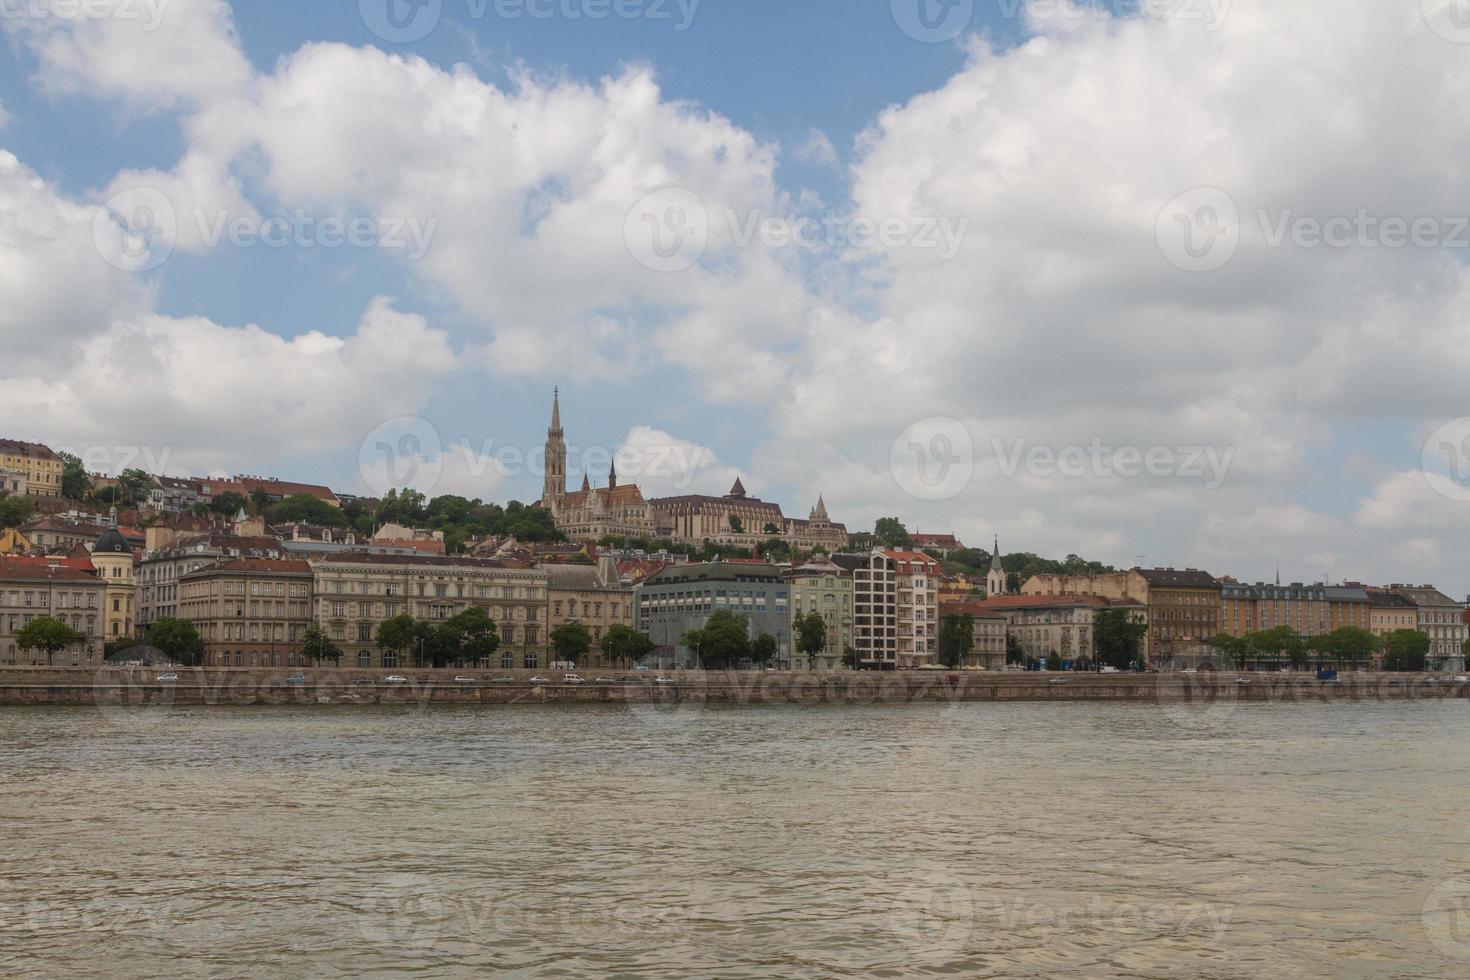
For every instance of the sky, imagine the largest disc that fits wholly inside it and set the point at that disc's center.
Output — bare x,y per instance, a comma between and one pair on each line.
1177,281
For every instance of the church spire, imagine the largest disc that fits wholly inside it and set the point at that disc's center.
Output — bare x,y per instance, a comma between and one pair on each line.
554,482
555,412
612,476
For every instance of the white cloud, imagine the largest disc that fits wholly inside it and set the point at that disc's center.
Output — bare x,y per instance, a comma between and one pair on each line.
817,150
665,465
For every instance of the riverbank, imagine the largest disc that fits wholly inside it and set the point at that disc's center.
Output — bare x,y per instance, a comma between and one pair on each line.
326,687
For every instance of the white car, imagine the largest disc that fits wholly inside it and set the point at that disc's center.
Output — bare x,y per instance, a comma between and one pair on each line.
664,680
540,680
573,679
465,680
1057,680
169,678
396,679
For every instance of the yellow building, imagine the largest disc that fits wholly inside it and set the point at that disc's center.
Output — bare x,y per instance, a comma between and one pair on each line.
12,542
41,467
1311,610
593,596
113,558
824,588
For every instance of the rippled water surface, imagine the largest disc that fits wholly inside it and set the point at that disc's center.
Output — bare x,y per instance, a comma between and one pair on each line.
974,840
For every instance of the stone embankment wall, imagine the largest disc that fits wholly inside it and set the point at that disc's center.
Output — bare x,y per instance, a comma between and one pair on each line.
215,686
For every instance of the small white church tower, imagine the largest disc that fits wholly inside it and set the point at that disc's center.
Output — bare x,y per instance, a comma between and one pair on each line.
995,581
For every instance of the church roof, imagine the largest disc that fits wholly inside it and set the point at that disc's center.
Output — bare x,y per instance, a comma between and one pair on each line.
738,490
112,543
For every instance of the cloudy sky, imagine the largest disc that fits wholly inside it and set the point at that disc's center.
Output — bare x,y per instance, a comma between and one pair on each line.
1182,280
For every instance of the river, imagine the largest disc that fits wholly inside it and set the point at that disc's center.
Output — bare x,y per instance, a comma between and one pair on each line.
967,840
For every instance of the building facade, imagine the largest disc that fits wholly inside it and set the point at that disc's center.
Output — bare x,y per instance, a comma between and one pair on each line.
680,598
1056,628
593,596
112,556
34,588
739,520
592,513
354,592
988,646
161,569
40,467
1183,616
895,608
1442,619
1311,610
250,612
824,588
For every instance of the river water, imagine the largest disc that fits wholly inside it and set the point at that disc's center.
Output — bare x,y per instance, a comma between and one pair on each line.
970,840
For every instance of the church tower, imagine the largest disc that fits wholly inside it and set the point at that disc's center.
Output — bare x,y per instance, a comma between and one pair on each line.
554,486
995,582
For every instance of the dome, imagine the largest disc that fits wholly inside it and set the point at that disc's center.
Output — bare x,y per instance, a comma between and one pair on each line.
111,543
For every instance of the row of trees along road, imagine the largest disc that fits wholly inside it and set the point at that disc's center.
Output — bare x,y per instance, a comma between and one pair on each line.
1403,650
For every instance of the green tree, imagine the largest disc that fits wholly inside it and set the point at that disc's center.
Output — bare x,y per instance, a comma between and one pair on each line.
50,636
1405,650
1014,653
764,650
571,641
956,639
15,511
303,508
228,504
318,647
469,637
401,633
1349,643
722,643
74,482
850,658
1235,650
810,631
1277,643
1119,637
736,524
622,643
770,529
889,532
775,550
178,640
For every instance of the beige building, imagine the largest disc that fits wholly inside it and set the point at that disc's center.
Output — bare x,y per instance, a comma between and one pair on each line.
988,647
824,588
37,587
895,608
1311,610
354,592
40,466
1057,627
739,520
593,596
1184,610
161,569
1442,619
64,533
250,612
112,556
1390,612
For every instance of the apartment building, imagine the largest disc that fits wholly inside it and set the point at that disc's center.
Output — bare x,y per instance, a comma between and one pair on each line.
1311,610
593,596
680,598
895,608
250,612
354,592
1442,619
1054,627
31,466
825,588
161,570
39,587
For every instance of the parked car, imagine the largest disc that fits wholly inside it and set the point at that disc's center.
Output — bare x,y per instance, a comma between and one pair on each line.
169,678
1057,680
396,679
573,679
664,680
1110,670
642,668
362,681
502,680
296,679
604,680
463,679
540,680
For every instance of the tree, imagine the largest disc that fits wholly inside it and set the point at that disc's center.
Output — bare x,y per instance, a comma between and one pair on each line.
1119,637
402,632
623,643
1014,653
1348,643
956,639
48,635
1406,650
890,533
228,504
771,528
1281,641
318,647
571,642
178,640
811,636
736,524
1234,650
723,642
15,511
764,649
303,508
132,488
470,637
775,549
850,658
74,482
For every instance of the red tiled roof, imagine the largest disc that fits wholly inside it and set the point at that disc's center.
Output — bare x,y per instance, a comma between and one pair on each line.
912,556
38,570
259,566
1006,603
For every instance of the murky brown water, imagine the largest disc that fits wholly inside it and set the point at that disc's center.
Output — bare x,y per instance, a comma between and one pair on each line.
972,840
